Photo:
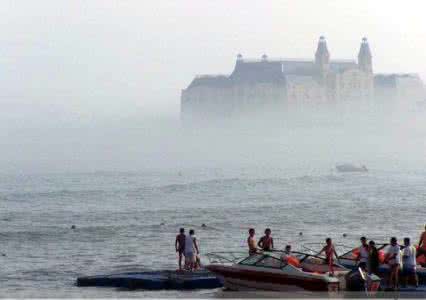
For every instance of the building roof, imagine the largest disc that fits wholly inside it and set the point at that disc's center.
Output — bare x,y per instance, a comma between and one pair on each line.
257,72
219,81
390,80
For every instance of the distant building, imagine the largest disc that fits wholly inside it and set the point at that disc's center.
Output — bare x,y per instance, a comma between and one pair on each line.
274,84
399,88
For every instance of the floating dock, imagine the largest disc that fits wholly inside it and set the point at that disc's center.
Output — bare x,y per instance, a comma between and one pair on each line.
155,280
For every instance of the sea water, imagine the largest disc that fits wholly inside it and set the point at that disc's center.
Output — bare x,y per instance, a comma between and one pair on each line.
230,181
127,221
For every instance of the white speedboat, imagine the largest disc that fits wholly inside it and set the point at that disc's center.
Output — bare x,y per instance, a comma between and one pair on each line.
271,271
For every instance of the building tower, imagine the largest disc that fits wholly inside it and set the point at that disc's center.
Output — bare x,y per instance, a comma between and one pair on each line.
322,56
364,57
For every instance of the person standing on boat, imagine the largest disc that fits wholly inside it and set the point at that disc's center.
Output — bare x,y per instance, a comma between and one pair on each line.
362,257
266,242
180,245
329,252
422,244
373,258
393,258
409,270
251,242
191,250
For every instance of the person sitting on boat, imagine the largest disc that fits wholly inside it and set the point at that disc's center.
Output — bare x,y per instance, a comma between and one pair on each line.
180,245
286,253
266,242
422,244
409,271
393,259
251,242
362,257
191,249
373,258
287,249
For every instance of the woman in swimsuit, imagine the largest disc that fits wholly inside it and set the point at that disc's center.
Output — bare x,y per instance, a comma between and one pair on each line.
266,242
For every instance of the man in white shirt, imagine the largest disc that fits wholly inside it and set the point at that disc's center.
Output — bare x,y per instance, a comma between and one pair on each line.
393,258
363,254
409,271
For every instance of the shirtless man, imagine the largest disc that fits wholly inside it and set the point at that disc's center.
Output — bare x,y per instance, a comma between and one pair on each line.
251,242
422,244
266,242
329,251
180,245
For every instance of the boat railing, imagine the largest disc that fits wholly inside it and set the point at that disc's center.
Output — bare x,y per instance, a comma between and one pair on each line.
225,257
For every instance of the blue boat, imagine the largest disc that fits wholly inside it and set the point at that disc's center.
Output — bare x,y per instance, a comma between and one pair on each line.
154,280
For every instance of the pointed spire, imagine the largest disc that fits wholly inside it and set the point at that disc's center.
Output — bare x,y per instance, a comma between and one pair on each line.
364,50
322,56
365,57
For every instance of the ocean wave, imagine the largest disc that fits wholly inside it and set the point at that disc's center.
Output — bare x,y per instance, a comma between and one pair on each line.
58,194
248,182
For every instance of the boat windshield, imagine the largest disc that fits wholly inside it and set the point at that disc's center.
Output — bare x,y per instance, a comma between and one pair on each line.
264,260
251,260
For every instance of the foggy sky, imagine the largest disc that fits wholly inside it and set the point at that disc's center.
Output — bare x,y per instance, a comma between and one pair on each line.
103,58
93,85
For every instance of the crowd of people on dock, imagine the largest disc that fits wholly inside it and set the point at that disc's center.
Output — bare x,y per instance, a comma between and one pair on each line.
401,259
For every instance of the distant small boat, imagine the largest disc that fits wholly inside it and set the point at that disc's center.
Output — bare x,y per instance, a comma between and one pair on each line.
351,168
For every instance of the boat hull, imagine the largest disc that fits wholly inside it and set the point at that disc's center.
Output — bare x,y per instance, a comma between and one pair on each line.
270,280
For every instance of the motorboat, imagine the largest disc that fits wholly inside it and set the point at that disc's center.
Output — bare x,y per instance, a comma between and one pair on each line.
287,272
348,168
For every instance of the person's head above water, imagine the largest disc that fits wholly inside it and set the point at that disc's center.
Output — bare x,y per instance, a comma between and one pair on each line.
372,244
191,232
268,231
328,241
363,240
407,241
393,241
251,231
288,248
182,230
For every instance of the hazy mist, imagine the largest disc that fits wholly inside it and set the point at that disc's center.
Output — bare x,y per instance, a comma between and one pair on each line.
95,85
